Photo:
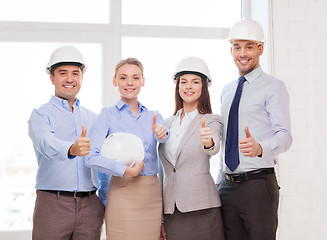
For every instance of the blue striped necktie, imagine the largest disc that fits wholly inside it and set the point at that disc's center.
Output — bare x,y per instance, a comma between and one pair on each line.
232,159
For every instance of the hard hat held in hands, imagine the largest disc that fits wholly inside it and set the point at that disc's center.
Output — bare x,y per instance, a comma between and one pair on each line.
123,147
247,29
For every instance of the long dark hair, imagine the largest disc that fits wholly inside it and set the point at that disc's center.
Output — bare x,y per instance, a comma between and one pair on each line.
204,105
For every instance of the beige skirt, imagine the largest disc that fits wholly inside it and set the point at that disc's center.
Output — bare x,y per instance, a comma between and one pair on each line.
134,208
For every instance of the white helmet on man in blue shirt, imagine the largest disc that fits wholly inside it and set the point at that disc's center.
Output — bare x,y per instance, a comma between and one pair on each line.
66,55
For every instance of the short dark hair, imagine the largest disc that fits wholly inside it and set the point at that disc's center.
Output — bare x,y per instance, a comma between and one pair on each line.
54,66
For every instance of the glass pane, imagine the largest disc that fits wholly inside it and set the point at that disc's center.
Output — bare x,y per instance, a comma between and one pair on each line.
204,13
72,11
160,64
25,85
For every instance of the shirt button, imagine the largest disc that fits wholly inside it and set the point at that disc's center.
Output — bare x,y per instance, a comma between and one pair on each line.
174,170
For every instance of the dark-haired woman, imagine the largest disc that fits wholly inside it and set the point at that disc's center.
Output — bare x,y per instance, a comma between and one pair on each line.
191,201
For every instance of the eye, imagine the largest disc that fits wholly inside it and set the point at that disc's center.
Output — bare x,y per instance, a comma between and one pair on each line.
122,78
136,78
196,82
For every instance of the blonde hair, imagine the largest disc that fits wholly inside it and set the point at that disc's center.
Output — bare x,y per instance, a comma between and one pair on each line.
132,61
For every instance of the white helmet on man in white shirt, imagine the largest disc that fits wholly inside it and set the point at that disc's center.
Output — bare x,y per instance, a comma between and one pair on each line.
193,65
247,29
65,55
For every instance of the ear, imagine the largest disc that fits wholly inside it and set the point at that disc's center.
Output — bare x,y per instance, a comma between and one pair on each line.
114,81
260,49
143,81
51,78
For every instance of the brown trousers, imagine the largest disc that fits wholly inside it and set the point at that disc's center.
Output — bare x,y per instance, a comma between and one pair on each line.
65,218
249,208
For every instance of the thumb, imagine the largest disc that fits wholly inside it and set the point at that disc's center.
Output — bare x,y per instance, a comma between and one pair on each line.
154,120
203,122
83,131
247,132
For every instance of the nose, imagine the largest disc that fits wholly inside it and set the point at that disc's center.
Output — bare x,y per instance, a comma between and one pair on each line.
243,52
188,85
69,78
129,81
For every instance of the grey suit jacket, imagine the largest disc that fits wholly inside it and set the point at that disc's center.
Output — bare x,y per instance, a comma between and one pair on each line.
189,184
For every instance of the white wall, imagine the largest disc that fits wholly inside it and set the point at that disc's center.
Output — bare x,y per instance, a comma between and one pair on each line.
300,60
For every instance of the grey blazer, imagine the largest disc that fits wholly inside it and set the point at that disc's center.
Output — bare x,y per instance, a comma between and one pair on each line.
189,184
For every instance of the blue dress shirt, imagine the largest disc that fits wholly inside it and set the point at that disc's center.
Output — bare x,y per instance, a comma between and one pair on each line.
53,128
119,118
264,108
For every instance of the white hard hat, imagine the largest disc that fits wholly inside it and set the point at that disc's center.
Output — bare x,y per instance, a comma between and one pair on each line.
193,65
247,29
66,55
123,147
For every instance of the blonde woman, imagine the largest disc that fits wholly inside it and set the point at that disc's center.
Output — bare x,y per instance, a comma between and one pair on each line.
134,208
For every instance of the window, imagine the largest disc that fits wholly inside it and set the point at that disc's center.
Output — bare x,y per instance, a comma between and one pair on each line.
105,31
72,11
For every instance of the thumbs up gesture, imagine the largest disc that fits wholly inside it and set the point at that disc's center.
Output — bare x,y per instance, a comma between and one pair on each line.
158,130
248,146
206,136
82,145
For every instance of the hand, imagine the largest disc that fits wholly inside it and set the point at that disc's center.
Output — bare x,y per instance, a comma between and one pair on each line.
163,232
206,136
82,145
134,170
158,130
248,146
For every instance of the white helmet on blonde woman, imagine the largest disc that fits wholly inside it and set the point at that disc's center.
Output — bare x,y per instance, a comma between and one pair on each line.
193,65
247,29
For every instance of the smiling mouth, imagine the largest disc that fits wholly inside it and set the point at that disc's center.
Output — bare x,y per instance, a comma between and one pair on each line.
69,86
242,61
129,89
188,93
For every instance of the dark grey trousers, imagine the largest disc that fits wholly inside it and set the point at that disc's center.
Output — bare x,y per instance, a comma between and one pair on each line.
249,209
65,218
203,224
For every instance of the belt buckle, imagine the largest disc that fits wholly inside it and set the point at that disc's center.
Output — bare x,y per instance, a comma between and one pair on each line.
236,178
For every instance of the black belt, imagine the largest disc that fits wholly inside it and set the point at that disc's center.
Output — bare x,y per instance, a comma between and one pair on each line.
242,177
71,194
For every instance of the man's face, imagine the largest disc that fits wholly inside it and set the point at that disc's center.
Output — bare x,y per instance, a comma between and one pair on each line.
67,81
246,55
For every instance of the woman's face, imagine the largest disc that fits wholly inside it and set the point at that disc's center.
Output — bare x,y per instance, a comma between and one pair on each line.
190,88
129,80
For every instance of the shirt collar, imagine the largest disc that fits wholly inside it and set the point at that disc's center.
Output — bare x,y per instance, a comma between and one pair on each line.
190,115
63,103
253,75
120,105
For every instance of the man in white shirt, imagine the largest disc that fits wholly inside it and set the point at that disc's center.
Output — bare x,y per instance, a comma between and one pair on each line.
256,129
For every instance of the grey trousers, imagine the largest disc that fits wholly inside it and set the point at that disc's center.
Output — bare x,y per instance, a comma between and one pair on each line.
203,224
65,218
249,209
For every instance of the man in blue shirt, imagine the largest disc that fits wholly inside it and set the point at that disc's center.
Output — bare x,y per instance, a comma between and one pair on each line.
250,145
66,206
